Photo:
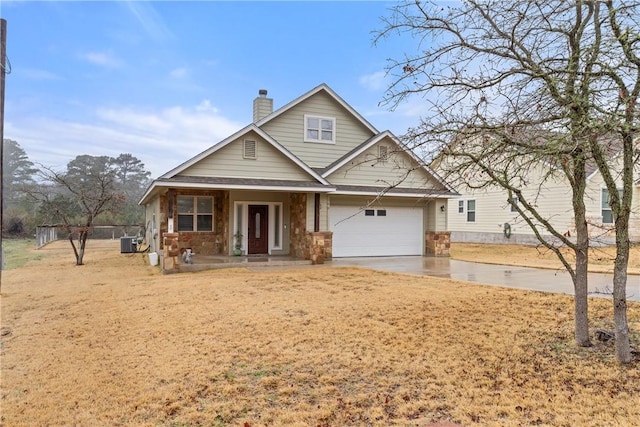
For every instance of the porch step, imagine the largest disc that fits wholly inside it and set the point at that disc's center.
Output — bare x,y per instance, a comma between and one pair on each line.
212,263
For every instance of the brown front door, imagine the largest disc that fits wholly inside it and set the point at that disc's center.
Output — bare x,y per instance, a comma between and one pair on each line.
258,238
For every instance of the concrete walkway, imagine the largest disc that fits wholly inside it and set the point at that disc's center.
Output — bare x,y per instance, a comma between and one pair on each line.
557,281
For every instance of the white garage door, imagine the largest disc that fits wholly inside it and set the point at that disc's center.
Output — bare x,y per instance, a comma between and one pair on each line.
376,232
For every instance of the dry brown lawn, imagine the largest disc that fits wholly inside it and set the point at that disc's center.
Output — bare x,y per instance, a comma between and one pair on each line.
116,343
600,259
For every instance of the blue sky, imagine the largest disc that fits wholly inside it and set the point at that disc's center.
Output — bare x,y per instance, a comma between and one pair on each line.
166,80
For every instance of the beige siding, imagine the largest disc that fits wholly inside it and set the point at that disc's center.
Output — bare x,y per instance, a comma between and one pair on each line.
229,162
363,202
436,219
324,212
553,201
634,223
593,198
152,234
310,211
288,129
593,202
398,169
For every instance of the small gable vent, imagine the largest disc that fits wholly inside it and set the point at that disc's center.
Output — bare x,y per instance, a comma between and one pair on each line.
249,149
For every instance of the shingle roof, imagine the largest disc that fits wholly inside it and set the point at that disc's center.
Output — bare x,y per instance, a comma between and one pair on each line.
241,181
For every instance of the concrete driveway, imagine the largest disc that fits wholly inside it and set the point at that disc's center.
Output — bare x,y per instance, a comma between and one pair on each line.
537,279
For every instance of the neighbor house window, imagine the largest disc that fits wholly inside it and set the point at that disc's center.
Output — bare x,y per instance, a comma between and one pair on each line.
319,129
369,212
195,213
460,206
513,204
607,215
471,211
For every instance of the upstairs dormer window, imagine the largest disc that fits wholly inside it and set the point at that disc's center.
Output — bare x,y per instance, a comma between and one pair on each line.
320,129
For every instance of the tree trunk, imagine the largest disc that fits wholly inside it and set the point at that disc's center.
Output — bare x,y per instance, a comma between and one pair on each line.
73,245
581,301
581,278
623,349
82,245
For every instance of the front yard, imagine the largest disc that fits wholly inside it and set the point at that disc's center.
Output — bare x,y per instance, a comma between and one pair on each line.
116,343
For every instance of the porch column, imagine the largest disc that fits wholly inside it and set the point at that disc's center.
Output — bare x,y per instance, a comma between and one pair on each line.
320,246
438,243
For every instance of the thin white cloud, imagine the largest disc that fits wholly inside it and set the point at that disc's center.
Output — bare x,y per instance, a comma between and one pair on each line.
206,107
179,73
41,75
373,81
149,19
162,139
105,59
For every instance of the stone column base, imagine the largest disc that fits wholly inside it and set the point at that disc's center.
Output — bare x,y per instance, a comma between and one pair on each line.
438,243
320,246
170,251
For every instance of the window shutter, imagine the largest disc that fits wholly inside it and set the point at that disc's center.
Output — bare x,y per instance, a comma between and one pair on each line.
249,149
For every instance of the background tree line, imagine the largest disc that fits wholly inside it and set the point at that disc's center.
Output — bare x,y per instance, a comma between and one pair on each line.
92,190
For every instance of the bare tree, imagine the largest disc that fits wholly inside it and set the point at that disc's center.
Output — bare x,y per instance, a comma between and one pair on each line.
79,195
530,88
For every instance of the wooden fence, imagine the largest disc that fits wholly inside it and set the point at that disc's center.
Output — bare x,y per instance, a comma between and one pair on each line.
50,233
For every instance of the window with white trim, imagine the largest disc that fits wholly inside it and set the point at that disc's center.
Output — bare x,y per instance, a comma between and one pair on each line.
319,129
460,206
195,213
471,211
607,214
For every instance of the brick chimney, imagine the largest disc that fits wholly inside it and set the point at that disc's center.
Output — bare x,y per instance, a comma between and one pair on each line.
262,106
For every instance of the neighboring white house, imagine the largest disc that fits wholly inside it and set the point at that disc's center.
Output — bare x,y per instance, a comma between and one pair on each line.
312,179
485,216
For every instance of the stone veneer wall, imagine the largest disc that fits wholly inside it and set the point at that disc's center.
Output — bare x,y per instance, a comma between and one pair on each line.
214,242
320,246
438,243
298,243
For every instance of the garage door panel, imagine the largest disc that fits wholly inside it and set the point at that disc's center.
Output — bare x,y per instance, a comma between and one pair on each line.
399,232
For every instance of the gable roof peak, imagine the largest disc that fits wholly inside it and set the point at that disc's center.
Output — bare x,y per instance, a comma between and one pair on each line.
322,87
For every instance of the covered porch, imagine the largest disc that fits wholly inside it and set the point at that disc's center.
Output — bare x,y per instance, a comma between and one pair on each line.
268,224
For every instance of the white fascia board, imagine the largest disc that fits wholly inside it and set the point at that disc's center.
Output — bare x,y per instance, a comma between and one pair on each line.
400,145
421,163
334,95
319,189
173,172
235,136
289,155
355,154
147,193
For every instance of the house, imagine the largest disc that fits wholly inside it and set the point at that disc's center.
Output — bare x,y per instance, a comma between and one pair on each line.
313,180
483,214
